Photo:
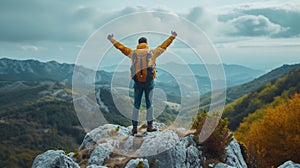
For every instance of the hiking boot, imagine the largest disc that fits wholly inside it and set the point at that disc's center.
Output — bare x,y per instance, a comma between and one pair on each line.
134,130
150,128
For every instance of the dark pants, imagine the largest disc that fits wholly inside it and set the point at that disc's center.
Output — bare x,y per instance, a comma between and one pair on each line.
139,89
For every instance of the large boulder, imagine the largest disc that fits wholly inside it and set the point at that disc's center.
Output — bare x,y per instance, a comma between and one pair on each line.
54,158
184,154
107,131
101,152
157,142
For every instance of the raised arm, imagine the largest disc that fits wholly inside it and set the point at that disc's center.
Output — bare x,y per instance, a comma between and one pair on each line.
125,50
161,48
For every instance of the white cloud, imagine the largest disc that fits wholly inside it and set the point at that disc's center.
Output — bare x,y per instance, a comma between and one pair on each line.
276,20
44,20
251,25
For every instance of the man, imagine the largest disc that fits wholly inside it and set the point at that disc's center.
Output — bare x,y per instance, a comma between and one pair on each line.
143,72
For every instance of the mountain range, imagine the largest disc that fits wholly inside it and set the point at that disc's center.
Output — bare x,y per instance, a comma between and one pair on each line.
35,71
235,74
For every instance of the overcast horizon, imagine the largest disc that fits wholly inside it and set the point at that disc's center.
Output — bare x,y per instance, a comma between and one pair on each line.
259,35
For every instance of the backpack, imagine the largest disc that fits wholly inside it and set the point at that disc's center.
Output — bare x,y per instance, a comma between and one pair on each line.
140,69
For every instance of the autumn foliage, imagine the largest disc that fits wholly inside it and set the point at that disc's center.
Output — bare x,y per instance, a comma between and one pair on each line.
276,137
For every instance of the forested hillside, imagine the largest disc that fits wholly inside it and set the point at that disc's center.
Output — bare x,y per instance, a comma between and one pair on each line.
271,94
234,93
34,118
267,121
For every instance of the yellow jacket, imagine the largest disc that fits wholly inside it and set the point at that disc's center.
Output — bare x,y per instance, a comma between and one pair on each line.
156,52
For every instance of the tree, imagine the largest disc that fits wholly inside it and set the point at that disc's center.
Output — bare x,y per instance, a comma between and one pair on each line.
276,138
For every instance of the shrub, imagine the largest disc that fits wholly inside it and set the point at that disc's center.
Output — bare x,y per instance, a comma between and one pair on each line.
140,165
214,146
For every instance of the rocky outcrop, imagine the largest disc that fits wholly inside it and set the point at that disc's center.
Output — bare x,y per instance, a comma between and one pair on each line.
54,158
101,152
183,154
157,142
112,145
234,155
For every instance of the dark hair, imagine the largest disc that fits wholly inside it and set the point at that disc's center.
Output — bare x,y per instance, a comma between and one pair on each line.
142,40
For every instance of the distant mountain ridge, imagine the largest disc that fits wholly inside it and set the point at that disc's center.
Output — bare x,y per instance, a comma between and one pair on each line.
235,74
33,70
199,68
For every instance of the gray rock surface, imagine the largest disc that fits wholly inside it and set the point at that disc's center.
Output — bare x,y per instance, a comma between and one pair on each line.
96,166
193,157
184,154
223,165
290,164
103,132
234,155
134,162
101,152
158,142
52,159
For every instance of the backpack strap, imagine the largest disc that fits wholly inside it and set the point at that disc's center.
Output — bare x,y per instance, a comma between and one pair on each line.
149,56
141,65
133,65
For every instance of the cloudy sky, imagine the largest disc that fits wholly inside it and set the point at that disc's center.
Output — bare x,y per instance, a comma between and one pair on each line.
257,34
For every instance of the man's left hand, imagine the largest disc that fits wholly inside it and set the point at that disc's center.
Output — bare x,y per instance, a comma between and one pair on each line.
110,36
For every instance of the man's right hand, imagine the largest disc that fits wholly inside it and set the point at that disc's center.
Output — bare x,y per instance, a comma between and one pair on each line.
110,36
